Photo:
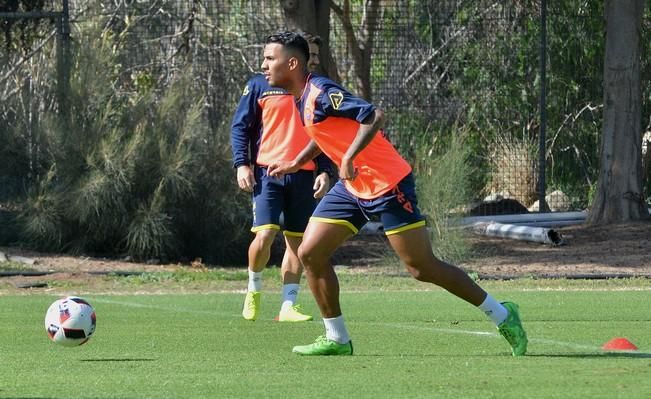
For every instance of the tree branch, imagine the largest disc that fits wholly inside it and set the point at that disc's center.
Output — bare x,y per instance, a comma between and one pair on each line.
436,52
28,56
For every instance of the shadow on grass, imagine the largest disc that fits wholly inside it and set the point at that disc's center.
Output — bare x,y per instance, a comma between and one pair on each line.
119,360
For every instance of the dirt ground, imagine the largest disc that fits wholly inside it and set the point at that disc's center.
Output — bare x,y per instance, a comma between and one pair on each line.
589,252
622,250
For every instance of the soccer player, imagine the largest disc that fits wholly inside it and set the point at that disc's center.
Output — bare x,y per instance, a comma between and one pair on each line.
374,180
266,127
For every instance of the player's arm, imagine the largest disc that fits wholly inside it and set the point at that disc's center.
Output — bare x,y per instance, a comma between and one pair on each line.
337,101
245,122
280,168
367,130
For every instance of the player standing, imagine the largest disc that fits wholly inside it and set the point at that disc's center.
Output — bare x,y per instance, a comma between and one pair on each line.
267,127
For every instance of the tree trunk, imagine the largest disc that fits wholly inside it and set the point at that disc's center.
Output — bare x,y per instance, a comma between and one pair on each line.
360,45
313,17
619,195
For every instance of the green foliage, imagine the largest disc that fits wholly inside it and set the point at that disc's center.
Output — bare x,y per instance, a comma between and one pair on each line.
15,162
12,266
443,175
19,35
43,221
9,231
188,276
136,171
491,78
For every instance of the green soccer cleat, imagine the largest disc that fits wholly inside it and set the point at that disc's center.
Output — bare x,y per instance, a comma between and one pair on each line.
251,305
292,314
512,330
325,347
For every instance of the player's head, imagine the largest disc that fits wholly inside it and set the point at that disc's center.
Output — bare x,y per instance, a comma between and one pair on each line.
285,56
314,42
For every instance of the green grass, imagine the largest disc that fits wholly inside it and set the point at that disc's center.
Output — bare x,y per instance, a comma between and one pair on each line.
9,266
408,343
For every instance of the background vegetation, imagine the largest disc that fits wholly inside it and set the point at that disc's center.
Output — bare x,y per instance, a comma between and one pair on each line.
136,159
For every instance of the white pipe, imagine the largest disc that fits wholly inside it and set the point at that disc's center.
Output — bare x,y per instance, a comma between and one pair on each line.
553,219
529,219
525,233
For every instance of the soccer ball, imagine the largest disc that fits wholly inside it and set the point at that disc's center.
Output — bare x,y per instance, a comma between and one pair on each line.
70,321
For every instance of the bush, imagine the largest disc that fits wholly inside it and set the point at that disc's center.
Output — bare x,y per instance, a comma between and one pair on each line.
443,180
136,170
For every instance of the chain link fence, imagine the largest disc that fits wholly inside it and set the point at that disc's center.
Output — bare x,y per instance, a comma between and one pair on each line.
441,69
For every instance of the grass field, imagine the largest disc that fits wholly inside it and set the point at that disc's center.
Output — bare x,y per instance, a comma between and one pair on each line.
408,343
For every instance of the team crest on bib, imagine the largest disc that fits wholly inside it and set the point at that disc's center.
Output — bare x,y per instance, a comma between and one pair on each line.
246,90
336,99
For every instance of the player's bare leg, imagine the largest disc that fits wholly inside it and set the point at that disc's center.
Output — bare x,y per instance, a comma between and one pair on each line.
415,250
259,253
260,249
291,270
319,243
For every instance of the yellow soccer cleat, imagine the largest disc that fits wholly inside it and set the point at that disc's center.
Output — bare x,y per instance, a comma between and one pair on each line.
292,313
251,305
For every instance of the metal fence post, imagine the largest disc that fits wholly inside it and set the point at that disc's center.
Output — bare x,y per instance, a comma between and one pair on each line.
63,61
543,207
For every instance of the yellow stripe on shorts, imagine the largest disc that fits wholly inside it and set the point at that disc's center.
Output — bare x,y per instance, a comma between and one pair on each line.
405,228
265,227
340,222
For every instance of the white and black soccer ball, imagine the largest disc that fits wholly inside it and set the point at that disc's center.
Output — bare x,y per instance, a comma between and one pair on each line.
70,321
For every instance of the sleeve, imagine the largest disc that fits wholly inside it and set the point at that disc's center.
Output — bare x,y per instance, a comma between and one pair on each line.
324,164
245,124
336,101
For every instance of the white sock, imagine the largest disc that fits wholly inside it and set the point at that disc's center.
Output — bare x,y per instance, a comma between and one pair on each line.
255,281
290,292
493,309
336,330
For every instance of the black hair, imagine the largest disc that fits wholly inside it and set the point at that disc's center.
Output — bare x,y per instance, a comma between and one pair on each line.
293,42
312,39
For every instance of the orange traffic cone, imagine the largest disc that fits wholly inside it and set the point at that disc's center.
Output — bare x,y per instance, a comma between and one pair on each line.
619,344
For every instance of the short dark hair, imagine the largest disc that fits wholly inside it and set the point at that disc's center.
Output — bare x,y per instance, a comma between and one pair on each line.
312,39
292,41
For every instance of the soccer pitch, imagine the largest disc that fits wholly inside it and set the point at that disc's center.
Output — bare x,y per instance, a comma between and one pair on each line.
407,344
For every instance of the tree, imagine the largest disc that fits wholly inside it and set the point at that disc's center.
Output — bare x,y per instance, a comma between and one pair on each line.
619,196
313,17
360,45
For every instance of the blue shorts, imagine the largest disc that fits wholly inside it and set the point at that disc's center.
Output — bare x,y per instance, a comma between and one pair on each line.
292,195
397,209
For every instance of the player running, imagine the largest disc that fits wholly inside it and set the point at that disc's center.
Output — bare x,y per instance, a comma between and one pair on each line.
375,180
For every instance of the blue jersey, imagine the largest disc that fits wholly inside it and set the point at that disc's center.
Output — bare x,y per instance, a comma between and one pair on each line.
333,100
267,128
332,118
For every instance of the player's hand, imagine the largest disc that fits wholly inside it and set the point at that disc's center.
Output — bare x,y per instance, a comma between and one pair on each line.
245,178
281,168
321,185
347,171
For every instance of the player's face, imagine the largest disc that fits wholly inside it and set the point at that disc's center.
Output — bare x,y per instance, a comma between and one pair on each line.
276,64
314,62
